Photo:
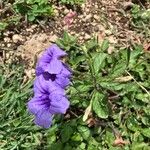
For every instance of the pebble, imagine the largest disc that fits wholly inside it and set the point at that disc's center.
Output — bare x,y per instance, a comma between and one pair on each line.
6,39
96,17
108,32
7,55
16,38
3,45
66,11
56,13
9,45
96,28
96,6
87,36
88,17
80,38
53,38
6,33
82,33
34,26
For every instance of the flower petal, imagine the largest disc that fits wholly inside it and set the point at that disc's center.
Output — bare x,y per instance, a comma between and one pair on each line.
56,51
40,85
43,118
37,104
55,66
62,81
66,72
58,104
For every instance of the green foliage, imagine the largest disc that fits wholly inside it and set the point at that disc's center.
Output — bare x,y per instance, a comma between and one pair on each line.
16,128
33,9
111,87
111,90
138,14
100,105
141,19
72,2
3,26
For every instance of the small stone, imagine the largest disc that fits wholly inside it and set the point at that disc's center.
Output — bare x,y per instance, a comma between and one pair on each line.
88,17
56,13
5,33
87,10
108,32
9,45
83,6
7,55
87,36
6,39
80,38
96,28
80,16
16,38
53,38
96,17
82,33
66,11
29,30
96,6
94,24
34,26
72,32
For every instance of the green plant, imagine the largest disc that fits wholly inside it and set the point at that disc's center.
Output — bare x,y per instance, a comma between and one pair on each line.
16,129
141,18
72,2
3,26
33,9
115,89
109,97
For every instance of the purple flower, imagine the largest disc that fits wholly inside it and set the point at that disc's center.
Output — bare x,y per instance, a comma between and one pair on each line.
43,85
49,62
62,79
45,107
52,77
47,101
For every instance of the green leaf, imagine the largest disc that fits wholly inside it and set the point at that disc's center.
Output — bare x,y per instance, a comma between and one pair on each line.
91,45
31,17
118,69
100,105
146,132
143,97
77,137
84,131
140,146
128,56
3,26
105,45
132,124
99,61
66,133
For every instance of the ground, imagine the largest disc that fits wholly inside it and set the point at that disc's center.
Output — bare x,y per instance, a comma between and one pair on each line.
104,19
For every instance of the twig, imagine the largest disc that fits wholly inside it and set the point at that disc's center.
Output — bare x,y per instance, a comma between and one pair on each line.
73,114
113,97
142,87
42,26
141,4
6,49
